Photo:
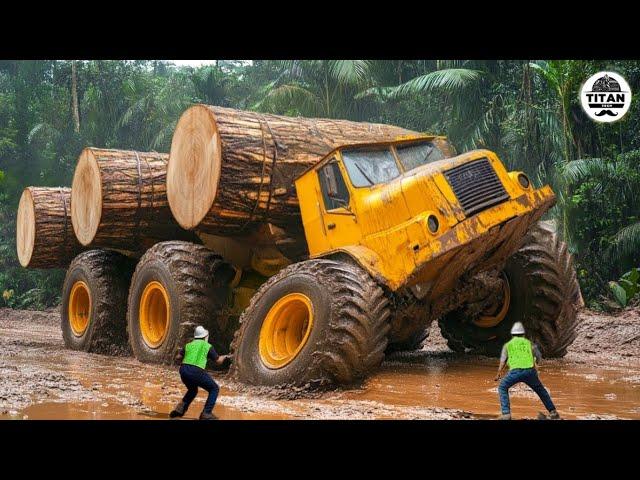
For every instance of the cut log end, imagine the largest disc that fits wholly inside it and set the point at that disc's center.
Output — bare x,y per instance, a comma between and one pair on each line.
194,166
25,228
86,198
44,237
231,170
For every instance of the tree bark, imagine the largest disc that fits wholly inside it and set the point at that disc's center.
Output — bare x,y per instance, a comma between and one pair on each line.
119,201
44,235
232,170
74,97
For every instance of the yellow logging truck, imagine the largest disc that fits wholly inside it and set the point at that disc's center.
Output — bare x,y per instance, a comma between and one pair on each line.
396,234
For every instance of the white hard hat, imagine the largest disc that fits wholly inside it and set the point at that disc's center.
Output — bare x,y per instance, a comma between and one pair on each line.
517,329
200,332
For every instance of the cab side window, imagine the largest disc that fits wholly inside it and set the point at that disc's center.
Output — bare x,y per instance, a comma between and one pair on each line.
334,189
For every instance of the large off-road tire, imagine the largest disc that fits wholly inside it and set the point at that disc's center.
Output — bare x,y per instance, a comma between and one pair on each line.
414,342
94,299
409,327
544,296
175,287
316,324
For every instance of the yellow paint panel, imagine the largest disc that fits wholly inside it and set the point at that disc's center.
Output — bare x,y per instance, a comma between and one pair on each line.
310,198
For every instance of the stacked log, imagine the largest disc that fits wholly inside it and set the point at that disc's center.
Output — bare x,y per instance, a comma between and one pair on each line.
119,201
44,235
230,170
230,173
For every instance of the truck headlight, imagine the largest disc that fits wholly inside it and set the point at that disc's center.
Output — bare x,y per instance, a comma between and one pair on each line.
523,180
432,223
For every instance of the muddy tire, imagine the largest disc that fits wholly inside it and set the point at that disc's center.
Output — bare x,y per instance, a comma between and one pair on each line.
94,298
175,287
545,297
408,330
414,342
409,327
346,327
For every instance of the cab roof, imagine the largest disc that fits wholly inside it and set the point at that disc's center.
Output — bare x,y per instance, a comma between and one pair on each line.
397,141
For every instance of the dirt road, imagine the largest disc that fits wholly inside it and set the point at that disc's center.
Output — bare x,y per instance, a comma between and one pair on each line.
39,379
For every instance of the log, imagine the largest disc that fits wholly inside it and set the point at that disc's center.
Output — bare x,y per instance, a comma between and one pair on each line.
44,235
231,170
119,201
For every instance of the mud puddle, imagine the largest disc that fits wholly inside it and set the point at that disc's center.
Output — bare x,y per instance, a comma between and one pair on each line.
416,386
39,379
579,391
107,411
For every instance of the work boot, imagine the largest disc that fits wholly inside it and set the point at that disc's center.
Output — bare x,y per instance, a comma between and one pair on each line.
554,415
208,416
504,416
178,411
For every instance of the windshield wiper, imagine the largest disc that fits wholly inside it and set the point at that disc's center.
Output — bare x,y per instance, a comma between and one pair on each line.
363,173
428,154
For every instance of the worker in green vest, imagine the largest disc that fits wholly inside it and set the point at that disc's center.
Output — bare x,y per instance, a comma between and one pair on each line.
521,356
194,358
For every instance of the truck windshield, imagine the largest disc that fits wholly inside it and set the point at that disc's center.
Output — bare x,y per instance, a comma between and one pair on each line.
412,156
370,167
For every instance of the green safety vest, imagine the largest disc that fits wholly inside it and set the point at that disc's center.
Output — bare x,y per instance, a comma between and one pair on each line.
195,353
520,353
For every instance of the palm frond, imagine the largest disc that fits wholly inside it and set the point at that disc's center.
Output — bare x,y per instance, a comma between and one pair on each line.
378,93
577,171
449,80
42,129
627,241
349,72
292,96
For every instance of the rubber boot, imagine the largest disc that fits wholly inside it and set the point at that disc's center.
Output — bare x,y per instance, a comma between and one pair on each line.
554,415
208,416
504,416
178,411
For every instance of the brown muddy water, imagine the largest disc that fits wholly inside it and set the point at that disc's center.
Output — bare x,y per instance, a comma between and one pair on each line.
39,379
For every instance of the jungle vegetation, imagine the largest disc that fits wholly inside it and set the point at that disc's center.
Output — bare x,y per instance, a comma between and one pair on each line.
527,111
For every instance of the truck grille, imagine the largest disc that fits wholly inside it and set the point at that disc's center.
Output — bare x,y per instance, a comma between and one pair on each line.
476,185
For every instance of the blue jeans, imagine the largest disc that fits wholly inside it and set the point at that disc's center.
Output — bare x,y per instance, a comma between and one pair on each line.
529,376
194,377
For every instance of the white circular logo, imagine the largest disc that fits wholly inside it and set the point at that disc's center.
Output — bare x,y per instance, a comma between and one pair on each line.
606,97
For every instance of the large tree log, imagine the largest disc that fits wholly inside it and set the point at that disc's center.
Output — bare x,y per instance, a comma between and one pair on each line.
44,235
230,170
119,201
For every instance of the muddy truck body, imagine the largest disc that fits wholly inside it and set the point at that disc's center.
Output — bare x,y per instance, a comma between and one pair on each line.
387,238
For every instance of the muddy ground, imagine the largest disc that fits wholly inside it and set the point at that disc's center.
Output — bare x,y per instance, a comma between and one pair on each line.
39,379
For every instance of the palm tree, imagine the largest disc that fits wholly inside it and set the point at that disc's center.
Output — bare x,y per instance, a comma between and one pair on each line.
618,182
461,91
318,88
564,77
153,107
212,85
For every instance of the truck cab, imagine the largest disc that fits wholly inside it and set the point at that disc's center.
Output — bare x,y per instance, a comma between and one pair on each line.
405,211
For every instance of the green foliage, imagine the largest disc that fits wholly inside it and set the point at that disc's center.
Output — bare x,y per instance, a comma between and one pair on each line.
601,208
626,288
526,111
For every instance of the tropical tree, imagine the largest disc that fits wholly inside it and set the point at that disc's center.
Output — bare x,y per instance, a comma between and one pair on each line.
318,88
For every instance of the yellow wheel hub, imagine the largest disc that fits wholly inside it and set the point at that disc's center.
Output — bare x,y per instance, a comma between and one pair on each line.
154,314
488,321
79,308
285,330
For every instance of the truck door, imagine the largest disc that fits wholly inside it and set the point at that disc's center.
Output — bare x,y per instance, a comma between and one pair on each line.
339,217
